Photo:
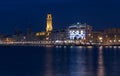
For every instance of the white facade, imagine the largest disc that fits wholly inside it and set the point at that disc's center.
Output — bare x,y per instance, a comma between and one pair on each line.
78,31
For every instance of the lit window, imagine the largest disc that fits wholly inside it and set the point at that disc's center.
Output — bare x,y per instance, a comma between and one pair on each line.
110,41
37,34
77,32
81,31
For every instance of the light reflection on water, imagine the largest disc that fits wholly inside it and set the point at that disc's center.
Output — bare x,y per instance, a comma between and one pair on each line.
101,69
118,46
115,47
79,61
48,66
60,61
56,62
84,61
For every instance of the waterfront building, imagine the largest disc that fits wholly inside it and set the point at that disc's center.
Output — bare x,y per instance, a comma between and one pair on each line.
19,36
45,34
2,37
58,35
30,36
112,36
41,35
9,39
79,31
97,37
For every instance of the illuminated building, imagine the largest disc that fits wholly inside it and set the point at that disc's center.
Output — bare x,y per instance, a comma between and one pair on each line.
9,40
112,36
79,31
49,23
49,28
97,37
40,33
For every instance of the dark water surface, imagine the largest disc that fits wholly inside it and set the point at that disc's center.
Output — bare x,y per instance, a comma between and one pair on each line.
59,61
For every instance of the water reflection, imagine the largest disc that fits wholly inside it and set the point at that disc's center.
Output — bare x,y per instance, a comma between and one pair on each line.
56,62
86,61
82,61
60,62
119,47
48,66
101,69
114,47
63,61
90,47
77,62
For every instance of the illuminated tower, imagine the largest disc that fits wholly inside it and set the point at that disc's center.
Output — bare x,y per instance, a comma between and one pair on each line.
49,23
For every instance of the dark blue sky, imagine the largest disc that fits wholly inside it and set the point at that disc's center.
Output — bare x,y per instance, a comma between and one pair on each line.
32,13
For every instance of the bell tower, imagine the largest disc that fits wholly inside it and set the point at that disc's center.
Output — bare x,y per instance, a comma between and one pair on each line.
49,23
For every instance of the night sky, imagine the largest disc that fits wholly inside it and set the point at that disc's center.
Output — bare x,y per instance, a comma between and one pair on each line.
20,14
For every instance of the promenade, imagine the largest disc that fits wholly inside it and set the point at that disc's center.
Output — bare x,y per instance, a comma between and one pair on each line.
57,43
